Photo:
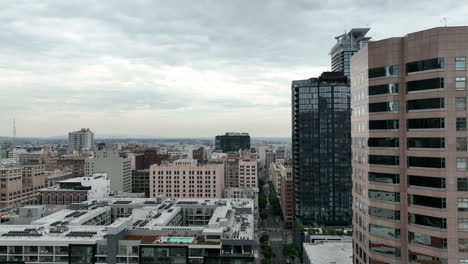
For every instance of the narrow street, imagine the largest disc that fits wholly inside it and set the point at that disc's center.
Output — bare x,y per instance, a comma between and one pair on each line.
274,227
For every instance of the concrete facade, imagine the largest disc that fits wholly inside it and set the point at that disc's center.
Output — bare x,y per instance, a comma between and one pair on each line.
118,168
409,148
187,178
80,140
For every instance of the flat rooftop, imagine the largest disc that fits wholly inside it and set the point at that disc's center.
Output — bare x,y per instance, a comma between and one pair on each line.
330,252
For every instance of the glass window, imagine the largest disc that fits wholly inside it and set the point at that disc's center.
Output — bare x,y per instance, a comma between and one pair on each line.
383,124
383,142
384,160
424,104
460,63
429,221
384,196
427,240
426,123
416,257
391,88
460,84
428,84
384,249
463,246
425,65
461,124
383,231
426,142
463,204
461,144
384,178
461,164
391,70
462,184
427,201
384,213
384,107
428,182
460,103
463,224
426,162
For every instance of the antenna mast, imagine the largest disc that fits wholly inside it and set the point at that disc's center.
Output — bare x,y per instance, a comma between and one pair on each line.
14,132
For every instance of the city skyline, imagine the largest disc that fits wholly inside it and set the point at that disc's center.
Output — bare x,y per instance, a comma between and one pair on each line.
146,70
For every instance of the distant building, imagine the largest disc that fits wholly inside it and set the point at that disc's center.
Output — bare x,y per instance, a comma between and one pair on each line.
187,178
141,181
231,141
200,153
240,172
3,154
76,190
20,184
242,193
286,194
80,140
270,157
77,165
321,125
148,158
346,45
274,176
109,161
54,175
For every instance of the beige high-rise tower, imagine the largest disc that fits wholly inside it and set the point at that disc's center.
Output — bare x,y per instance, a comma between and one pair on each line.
410,159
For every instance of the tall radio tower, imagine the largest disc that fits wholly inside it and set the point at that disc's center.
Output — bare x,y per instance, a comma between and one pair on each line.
14,132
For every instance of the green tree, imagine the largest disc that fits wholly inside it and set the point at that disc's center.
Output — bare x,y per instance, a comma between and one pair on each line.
290,250
266,261
264,238
299,225
263,214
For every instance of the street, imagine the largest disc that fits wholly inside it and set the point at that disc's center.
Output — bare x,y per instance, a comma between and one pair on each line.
274,227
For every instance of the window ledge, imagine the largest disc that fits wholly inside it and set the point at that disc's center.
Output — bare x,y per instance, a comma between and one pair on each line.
427,188
426,168
382,95
384,148
384,166
383,130
382,77
426,71
425,129
427,90
427,110
384,112
428,149
428,207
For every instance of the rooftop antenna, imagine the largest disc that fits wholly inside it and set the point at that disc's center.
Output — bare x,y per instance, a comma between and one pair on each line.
14,132
444,20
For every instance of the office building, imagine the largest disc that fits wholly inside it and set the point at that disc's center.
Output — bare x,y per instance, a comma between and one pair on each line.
187,178
139,230
346,45
141,181
232,141
200,153
109,161
321,119
80,140
19,185
148,158
76,190
286,195
410,157
270,157
76,164
240,172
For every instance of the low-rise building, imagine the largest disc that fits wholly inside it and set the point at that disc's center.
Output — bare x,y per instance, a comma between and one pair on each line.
141,181
20,184
328,249
76,190
152,230
286,194
187,178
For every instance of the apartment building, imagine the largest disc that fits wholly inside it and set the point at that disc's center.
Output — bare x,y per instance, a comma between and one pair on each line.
410,155
20,184
286,194
76,190
187,178
139,230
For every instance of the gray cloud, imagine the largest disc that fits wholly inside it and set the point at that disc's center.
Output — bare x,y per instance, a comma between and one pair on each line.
167,66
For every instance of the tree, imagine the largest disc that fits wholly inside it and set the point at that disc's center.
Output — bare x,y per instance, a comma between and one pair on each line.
263,214
262,200
266,261
264,238
290,250
299,225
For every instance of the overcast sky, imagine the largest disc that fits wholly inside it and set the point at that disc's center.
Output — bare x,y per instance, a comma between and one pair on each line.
178,68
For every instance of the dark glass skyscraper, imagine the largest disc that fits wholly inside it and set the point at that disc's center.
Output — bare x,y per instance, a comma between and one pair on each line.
232,142
321,119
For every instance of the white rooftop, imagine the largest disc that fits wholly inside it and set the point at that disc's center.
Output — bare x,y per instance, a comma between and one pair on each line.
329,253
